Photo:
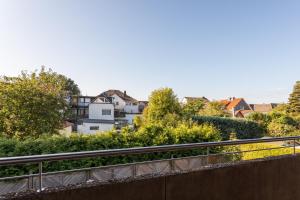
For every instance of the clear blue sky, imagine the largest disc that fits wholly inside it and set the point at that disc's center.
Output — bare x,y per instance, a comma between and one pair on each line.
213,48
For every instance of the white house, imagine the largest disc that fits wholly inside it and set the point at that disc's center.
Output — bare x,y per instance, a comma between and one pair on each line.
101,117
126,107
122,101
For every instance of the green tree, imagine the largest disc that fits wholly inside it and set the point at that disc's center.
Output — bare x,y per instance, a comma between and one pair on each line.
137,122
260,118
69,86
214,108
281,108
163,105
294,100
32,104
192,108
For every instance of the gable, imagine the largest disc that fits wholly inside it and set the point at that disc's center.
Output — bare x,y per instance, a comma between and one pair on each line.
237,104
122,95
118,99
100,100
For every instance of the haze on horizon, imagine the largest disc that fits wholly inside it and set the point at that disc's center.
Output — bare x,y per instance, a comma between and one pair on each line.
207,48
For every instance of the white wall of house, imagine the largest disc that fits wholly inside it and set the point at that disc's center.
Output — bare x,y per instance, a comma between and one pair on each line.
130,117
131,108
100,111
119,102
85,128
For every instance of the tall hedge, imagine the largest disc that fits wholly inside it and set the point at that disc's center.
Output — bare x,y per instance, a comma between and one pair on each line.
147,136
243,129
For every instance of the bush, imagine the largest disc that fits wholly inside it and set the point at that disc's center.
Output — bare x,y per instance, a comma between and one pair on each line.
243,129
148,135
277,123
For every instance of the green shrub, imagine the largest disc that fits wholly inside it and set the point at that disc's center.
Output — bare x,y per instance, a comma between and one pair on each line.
243,129
148,135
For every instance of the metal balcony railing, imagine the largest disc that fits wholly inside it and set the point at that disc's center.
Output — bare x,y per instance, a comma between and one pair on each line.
39,159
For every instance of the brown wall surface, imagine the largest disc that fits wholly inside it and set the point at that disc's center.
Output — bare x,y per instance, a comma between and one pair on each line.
275,179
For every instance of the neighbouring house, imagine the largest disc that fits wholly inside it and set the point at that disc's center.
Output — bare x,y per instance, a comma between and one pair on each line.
238,107
100,117
126,107
110,109
80,107
263,108
186,100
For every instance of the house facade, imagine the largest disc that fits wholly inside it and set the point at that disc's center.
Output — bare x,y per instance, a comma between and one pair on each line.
100,118
126,107
111,109
123,102
80,107
238,107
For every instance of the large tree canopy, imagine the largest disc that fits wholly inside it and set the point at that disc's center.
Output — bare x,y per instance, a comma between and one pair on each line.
163,105
192,108
32,104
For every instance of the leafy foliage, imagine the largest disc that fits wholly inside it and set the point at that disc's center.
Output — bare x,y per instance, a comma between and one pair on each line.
34,103
243,129
278,122
192,108
163,107
31,104
147,136
215,109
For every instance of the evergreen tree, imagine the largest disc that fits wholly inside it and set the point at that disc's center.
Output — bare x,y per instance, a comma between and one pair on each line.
294,100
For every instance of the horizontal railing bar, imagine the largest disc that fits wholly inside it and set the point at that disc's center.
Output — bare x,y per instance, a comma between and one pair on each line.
136,163
132,151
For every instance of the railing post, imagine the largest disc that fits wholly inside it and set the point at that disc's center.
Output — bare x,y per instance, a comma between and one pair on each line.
134,171
40,176
172,163
30,181
88,175
294,146
207,155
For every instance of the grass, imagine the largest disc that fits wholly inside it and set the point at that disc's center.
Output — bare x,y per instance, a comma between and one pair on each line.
264,153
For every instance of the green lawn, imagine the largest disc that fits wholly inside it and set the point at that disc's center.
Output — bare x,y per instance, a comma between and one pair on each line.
264,153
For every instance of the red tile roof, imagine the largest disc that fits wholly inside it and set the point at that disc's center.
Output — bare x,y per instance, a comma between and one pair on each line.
234,103
231,103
